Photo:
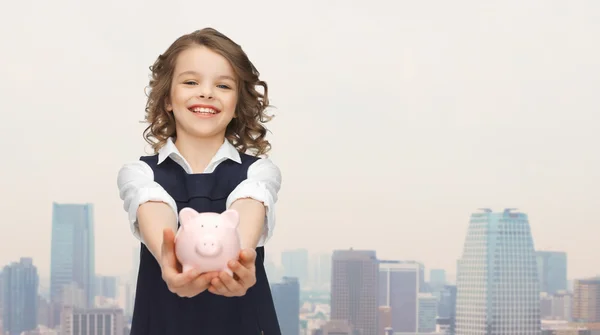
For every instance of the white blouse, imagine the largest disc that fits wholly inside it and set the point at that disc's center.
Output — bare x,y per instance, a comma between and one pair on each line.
137,186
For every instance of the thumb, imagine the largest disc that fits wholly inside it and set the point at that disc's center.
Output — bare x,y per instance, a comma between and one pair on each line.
248,256
167,249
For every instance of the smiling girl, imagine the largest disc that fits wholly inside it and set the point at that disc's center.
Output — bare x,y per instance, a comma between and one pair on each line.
205,118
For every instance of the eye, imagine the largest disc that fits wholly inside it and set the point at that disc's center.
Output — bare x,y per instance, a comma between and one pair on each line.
202,226
216,226
190,82
225,87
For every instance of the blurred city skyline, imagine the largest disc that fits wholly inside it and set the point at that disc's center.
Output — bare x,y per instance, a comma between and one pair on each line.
315,294
277,263
394,121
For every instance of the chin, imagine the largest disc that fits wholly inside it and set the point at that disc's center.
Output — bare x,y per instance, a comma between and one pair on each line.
207,133
203,129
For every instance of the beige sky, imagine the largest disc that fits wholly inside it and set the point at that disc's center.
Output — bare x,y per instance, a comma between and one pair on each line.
395,119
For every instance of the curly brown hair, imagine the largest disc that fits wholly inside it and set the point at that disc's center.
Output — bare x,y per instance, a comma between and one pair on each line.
246,131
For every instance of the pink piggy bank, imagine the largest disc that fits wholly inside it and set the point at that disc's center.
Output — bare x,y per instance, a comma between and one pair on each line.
207,241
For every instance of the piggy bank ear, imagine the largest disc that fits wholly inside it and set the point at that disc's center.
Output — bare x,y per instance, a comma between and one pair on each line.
231,218
186,215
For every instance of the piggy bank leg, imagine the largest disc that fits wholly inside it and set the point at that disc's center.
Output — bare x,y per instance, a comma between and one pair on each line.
187,267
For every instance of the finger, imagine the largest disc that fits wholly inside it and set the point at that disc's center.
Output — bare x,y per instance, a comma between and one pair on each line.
248,257
177,280
202,281
219,287
244,274
213,290
170,273
234,287
198,284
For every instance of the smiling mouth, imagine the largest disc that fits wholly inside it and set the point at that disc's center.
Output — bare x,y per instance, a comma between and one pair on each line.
204,110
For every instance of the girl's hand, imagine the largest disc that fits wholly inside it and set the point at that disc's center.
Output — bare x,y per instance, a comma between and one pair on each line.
188,284
244,277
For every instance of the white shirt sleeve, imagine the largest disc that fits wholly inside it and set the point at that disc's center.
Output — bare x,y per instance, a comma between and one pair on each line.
137,186
262,184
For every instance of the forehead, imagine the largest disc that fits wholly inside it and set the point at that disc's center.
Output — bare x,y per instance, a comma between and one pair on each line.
204,61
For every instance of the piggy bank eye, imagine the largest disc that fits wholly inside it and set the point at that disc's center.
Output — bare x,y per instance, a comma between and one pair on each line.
216,226
202,226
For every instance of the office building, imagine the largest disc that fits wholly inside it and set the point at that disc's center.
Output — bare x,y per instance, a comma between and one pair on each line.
497,284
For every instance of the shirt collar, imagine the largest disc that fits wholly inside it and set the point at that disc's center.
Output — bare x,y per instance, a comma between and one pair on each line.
226,151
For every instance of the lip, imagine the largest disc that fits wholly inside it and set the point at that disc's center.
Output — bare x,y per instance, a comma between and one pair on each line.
190,108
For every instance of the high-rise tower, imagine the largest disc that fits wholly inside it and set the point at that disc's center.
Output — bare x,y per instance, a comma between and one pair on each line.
72,255
497,284
354,289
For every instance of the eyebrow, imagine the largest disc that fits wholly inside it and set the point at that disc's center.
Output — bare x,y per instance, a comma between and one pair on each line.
226,77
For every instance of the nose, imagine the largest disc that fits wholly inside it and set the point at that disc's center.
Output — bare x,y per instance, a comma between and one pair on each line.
208,246
205,92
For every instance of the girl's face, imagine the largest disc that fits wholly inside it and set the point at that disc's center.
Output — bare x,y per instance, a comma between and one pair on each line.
203,93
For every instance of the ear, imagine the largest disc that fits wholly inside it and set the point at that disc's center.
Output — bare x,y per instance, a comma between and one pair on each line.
231,218
168,106
186,215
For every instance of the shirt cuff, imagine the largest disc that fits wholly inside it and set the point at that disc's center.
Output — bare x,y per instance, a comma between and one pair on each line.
263,185
144,195
136,187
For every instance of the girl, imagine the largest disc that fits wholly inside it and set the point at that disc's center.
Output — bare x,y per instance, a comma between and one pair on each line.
204,114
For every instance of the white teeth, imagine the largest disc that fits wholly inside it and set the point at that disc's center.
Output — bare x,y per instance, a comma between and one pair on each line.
204,110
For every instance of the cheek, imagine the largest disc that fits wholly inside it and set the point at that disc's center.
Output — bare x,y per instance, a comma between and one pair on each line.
177,98
181,95
232,102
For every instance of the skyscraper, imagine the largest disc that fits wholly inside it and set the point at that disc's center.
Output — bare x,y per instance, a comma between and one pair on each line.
427,312
437,277
20,283
447,308
295,264
106,286
354,289
399,287
586,300
320,270
286,297
552,270
72,254
497,282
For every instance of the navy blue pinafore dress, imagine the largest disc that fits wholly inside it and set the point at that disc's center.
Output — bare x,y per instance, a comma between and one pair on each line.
157,311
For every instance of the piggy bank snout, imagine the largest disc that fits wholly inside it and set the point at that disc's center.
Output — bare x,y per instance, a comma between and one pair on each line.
208,246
